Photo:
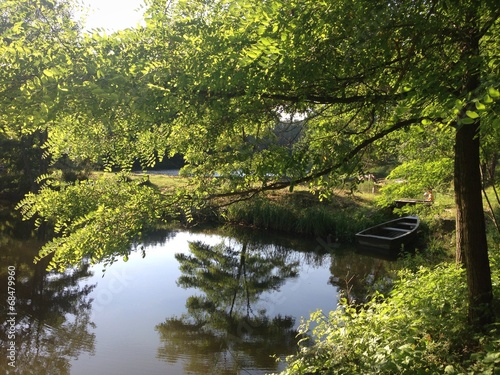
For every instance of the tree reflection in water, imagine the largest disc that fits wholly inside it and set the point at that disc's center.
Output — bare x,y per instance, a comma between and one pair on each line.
53,313
358,275
222,330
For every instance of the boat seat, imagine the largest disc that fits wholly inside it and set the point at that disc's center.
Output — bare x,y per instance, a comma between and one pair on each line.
380,237
407,224
396,229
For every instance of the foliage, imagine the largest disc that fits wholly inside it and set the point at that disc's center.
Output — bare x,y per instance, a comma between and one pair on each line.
103,120
212,85
118,211
36,43
315,220
421,327
21,163
216,81
413,178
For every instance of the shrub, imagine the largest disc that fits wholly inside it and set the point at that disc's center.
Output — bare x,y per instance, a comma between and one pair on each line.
421,327
413,178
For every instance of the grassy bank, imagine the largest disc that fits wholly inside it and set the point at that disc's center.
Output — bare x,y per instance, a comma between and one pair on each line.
302,213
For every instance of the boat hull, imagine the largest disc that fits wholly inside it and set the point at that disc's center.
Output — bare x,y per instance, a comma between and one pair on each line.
392,236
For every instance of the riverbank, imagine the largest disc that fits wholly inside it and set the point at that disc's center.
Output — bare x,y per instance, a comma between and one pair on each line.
301,212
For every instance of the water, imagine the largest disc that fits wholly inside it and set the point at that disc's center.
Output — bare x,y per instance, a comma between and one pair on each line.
190,303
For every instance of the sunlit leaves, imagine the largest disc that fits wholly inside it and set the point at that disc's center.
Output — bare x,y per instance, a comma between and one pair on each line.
35,55
119,212
409,332
413,178
254,58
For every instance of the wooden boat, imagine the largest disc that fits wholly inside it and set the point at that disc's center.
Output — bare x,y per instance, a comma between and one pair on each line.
389,236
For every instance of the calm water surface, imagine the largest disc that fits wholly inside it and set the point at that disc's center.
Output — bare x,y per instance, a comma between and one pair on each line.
188,303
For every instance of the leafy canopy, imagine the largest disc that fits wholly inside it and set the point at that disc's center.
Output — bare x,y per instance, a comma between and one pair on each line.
214,81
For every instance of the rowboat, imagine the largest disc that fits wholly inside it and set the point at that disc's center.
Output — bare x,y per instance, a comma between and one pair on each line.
389,236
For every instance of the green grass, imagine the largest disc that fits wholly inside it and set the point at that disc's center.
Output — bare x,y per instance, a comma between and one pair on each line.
164,183
301,212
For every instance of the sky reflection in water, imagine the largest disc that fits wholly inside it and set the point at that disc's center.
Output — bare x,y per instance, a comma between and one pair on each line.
220,306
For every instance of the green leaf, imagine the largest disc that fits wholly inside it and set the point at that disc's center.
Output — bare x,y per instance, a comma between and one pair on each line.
48,72
480,106
449,369
466,121
44,107
253,53
472,114
493,92
420,129
487,99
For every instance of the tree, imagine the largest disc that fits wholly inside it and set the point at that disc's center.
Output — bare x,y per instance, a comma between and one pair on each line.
360,70
36,45
212,80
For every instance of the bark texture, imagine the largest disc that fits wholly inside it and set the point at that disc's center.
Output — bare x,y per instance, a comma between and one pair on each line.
472,247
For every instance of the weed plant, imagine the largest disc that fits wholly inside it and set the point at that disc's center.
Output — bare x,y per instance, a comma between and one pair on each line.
419,328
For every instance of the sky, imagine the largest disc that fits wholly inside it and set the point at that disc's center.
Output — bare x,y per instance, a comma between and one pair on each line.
113,15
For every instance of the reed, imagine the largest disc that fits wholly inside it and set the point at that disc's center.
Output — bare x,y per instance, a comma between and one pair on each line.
313,219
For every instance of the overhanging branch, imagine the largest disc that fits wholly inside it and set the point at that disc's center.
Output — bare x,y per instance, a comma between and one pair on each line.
278,185
326,99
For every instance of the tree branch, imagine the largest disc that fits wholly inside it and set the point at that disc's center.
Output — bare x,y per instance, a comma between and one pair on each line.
278,185
326,99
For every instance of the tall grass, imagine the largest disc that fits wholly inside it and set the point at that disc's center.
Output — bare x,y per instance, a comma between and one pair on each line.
314,220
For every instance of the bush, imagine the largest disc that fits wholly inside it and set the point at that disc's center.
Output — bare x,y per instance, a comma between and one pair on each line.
421,327
412,179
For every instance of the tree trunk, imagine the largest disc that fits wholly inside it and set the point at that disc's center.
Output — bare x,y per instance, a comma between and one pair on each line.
472,248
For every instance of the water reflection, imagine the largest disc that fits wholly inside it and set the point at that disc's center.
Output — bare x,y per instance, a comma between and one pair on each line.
53,312
231,301
358,276
224,322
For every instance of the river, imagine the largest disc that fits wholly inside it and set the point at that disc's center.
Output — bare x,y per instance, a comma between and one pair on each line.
185,302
